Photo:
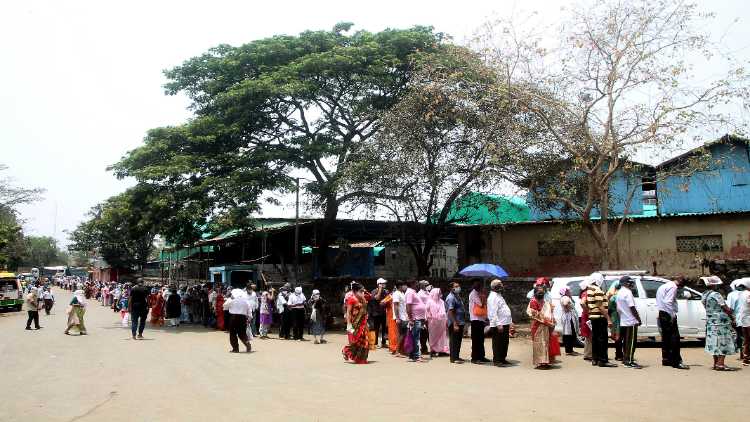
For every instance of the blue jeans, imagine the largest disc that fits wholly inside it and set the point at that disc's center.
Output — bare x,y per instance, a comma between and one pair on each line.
416,332
138,321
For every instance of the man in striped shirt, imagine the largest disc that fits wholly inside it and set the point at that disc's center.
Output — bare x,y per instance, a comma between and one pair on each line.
596,304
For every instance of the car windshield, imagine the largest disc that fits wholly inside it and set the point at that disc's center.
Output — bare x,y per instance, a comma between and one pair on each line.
8,284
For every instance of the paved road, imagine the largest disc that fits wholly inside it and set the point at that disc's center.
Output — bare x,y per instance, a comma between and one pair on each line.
188,374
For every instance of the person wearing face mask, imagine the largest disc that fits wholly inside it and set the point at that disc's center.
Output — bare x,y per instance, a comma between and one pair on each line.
600,321
501,323
400,316
456,322
542,322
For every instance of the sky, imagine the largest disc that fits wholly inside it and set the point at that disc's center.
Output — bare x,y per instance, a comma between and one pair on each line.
83,82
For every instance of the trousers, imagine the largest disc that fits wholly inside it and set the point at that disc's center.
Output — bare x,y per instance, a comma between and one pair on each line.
670,340
298,321
500,340
477,340
33,316
286,324
138,321
455,337
599,340
629,336
381,329
237,329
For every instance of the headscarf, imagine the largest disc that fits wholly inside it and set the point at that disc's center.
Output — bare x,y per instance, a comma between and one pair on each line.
80,297
315,294
596,278
542,281
298,291
436,305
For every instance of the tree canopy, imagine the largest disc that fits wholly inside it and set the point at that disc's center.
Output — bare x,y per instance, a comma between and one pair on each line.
286,102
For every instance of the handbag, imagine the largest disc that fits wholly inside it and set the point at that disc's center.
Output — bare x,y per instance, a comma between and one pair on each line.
480,310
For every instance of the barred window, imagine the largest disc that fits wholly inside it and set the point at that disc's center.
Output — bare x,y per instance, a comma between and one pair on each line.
556,248
706,243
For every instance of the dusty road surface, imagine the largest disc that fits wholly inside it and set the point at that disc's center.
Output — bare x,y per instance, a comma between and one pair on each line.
188,374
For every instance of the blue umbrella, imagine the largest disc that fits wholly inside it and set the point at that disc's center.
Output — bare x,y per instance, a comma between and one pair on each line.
483,270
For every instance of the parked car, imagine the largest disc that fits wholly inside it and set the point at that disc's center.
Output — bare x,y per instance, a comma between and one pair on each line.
691,315
10,292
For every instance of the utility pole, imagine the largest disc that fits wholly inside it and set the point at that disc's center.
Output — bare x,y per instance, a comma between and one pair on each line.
296,235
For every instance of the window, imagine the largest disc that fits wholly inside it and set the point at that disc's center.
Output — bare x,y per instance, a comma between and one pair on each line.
651,286
556,248
681,291
575,287
706,243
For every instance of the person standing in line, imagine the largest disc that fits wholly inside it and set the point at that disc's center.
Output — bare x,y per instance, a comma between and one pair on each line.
284,313
240,312
219,309
76,313
666,303
49,300
423,293
744,321
266,312
255,304
318,316
630,320
501,323
585,323
387,303
542,323
156,302
138,308
296,305
400,316
600,321
478,317
456,322
174,309
720,341
614,316
733,301
569,321
376,312
415,311
32,308
437,324
212,296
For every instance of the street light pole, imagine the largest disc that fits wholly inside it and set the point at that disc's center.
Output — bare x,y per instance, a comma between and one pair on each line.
296,235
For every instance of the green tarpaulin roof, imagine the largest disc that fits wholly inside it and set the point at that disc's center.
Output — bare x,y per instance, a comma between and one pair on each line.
479,208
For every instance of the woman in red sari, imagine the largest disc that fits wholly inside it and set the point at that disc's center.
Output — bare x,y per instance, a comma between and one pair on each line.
219,311
356,326
156,302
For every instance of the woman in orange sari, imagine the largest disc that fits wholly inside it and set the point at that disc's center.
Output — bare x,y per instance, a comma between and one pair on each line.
356,326
156,302
392,327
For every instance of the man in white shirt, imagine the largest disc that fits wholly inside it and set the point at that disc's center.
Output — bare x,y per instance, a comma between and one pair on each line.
666,303
629,321
240,313
400,315
477,302
501,322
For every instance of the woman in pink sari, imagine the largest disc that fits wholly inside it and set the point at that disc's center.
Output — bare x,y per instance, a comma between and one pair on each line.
437,324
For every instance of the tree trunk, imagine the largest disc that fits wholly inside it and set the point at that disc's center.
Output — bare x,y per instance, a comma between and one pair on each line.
326,230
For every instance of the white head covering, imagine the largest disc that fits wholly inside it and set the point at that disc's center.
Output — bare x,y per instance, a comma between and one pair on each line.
741,282
382,281
298,290
316,292
81,297
584,284
596,278
712,281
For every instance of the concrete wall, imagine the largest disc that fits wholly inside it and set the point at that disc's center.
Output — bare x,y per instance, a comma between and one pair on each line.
399,262
643,244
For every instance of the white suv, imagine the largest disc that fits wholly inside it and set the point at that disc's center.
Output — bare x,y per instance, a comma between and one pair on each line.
691,315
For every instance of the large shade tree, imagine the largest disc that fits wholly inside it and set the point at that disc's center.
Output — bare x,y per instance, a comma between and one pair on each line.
435,148
302,102
618,85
